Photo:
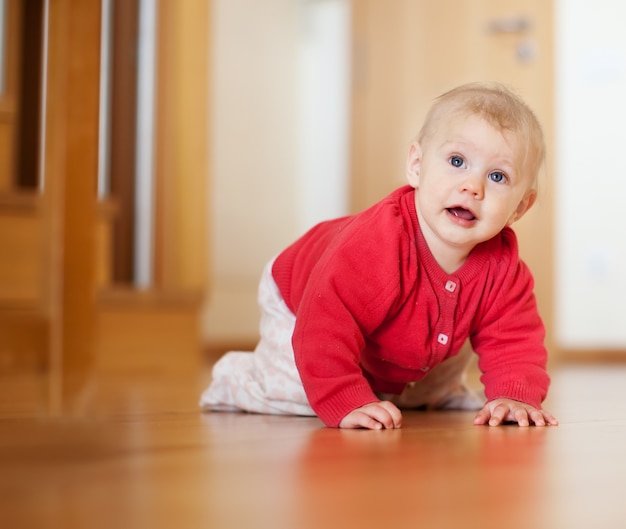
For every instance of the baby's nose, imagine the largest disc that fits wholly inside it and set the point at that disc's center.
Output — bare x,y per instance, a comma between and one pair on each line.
474,185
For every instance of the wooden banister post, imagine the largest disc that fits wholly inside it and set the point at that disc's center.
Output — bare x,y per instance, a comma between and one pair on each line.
70,172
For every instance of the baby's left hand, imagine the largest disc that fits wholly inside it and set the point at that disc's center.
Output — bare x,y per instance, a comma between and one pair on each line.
498,411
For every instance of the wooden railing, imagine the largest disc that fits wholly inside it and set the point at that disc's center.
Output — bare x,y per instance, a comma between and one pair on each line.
63,318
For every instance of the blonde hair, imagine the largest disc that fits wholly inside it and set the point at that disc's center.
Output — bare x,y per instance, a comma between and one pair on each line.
500,107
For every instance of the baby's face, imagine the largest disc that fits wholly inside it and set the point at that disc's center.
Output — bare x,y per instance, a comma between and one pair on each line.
471,182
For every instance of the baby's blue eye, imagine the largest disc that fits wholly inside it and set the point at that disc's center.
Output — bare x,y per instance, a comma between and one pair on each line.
457,161
497,177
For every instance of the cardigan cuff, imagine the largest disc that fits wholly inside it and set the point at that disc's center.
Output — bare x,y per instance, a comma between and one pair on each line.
332,409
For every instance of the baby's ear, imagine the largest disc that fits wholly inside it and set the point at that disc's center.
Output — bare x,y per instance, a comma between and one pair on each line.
525,204
413,164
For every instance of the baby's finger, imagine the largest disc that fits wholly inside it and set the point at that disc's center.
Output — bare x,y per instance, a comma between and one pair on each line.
549,418
498,414
482,417
537,418
521,416
394,413
380,414
359,419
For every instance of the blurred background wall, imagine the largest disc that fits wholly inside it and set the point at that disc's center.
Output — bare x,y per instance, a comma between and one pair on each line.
280,151
590,109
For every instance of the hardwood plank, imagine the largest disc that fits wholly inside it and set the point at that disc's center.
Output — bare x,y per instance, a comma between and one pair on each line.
144,456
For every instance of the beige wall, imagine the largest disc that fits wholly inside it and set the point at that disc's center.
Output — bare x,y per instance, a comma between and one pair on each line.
255,159
280,142
591,110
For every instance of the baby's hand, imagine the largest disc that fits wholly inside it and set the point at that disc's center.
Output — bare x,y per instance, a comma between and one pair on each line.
497,411
373,416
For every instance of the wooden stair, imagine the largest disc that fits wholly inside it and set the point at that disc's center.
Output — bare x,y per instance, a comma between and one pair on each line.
23,329
23,340
148,332
63,320
136,331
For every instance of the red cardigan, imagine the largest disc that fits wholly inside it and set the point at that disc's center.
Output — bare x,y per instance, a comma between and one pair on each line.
374,310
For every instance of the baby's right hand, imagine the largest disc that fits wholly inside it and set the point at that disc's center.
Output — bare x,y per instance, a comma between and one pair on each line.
373,416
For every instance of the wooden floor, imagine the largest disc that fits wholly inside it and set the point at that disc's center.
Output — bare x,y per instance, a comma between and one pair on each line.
145,457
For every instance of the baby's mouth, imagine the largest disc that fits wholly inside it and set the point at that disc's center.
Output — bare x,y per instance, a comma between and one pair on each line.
462,213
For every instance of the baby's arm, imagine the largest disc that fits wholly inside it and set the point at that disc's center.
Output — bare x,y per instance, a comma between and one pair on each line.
373,416
499,411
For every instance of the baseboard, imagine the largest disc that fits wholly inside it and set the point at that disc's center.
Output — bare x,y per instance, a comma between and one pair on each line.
213,350
603,356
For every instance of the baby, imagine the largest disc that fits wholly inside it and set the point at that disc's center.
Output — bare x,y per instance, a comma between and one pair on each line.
380,311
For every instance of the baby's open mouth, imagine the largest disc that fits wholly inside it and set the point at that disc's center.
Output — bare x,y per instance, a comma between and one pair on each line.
462,213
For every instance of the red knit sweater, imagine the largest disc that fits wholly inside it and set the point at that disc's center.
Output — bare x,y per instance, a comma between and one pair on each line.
374,310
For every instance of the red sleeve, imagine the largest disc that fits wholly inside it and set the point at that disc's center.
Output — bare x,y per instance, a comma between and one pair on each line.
509,337
350,292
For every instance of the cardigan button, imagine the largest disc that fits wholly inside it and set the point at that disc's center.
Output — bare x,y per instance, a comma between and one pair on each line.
442,339
450,286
